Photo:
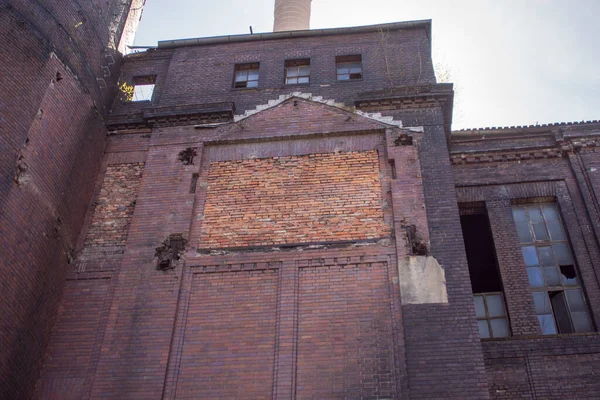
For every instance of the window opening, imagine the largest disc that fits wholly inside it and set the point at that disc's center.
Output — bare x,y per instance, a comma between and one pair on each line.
143,88
557,292
486,282
297,71
348,67
246,75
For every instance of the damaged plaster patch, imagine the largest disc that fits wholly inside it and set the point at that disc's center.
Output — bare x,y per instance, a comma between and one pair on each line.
422,280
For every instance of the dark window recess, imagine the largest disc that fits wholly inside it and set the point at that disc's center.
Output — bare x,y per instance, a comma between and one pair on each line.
194,183
486,283
246,75
297,71
348,67
143,87
187,156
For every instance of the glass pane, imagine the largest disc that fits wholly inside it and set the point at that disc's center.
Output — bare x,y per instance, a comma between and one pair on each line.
499,327
550,212
355,68
582,322
539,230
552,276
252,84
495,306
545,256
519,214
542,303
484,330
529,256
556,230
524,232
568,274
535,215
344,77
547,324
291,81
142,92
304,71
303,79
534,274
292,72
240,76
479,307
561,312
253,75
576,302
342,68
562,254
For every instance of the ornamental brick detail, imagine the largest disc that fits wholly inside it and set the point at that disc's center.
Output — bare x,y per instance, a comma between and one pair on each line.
294,199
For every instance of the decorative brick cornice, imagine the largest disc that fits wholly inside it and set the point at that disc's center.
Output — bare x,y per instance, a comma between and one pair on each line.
489,157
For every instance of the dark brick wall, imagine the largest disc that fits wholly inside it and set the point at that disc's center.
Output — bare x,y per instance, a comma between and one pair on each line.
204,74
57,78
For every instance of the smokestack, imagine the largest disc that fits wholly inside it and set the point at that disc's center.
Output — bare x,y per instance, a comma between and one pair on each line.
291,15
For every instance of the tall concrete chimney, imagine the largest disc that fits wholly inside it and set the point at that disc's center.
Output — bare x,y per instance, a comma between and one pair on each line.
291,15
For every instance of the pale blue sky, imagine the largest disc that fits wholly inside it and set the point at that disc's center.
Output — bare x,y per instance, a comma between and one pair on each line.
514,62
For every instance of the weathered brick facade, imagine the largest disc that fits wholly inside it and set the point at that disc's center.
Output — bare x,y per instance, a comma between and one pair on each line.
300,241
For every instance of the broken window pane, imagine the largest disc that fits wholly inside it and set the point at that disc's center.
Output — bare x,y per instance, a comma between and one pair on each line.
568,274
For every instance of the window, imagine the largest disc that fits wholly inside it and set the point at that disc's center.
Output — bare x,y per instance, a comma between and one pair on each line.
297,71
491,315
486,283
348,67
559,301
246,75
143,88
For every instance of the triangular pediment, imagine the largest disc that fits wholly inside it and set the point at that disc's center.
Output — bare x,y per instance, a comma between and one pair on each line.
297,115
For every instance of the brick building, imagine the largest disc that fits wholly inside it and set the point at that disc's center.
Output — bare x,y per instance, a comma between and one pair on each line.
287,215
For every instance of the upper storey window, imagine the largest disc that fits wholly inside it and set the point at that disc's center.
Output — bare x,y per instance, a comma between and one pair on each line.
143,88
559,301
349,67
246,75
297,71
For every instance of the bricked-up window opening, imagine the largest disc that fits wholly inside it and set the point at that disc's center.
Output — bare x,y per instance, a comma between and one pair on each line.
143,87
491,315
297,71
246,75
348,67
557,292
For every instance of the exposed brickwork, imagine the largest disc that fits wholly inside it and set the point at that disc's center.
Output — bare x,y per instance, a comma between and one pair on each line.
114,206
287,200
345,333
231,356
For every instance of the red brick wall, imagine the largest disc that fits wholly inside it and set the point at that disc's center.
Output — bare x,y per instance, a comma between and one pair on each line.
345,338
114,206
68,357
283,200
230,356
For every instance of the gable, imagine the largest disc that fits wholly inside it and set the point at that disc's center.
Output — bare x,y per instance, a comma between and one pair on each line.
298,116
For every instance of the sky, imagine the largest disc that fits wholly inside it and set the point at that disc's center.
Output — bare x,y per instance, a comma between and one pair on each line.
513,62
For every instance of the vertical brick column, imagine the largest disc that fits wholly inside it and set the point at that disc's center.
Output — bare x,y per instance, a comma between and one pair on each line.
443,351
517,292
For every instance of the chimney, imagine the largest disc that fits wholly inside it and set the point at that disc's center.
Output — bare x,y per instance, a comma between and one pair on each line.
291,15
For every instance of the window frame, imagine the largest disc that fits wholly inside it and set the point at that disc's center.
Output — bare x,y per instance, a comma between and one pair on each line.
488,318
140,81
246,68
561,324
347,61
295,65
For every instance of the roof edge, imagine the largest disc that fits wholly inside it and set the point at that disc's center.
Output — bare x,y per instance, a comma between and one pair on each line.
520,129
167,44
